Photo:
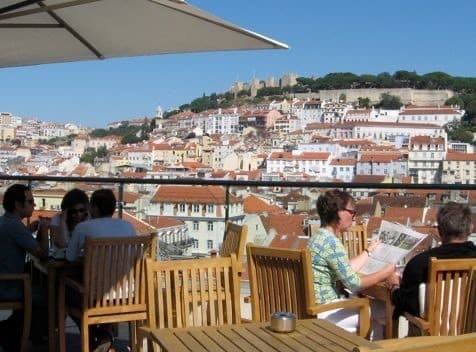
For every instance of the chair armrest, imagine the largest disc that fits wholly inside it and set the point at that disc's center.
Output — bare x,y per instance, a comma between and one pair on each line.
410,341
14,276
419,322
78,286
361,303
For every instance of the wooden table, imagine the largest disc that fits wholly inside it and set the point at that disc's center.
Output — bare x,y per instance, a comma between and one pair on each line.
310,335
381,293
51,269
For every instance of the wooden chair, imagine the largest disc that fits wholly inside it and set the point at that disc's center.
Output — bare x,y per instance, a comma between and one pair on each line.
461,343
354,240
282,280
234,241
112,288
24,304
447,296
186,293
470,321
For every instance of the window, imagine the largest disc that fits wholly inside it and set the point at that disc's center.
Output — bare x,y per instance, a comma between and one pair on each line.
196,208
195,225
182,207
210,208
195,243
210,226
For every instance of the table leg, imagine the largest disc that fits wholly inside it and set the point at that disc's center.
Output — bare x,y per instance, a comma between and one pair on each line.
388,320
52,309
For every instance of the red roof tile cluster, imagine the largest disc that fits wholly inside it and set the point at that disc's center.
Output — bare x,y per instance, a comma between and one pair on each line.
301,156
343,162
192,194
255,205
457,156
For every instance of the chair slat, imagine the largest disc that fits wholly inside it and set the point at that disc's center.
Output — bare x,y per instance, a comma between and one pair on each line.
448,297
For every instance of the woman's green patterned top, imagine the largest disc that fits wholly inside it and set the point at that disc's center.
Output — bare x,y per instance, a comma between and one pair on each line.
330,263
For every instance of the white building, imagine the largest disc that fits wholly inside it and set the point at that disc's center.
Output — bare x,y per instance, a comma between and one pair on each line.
308,112
342,169
298,161
425,159
389,164
435,115
459,168
202,209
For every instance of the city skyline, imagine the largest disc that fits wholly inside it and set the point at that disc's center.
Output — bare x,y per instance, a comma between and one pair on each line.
323,38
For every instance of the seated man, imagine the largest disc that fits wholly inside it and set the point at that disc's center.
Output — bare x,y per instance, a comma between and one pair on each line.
101,224
15,241
454,227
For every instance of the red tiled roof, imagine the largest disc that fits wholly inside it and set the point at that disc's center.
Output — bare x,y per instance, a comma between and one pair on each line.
456,156
284,224
343,162
403,215
192,194
380,157
301,156
255,205
161,222
368,178
441,111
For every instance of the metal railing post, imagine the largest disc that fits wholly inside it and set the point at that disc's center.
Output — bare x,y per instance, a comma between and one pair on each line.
227,207
120,204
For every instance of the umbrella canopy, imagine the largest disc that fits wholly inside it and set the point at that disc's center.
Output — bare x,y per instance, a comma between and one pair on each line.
37,32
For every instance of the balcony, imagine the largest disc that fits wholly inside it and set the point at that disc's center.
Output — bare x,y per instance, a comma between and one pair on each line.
261,206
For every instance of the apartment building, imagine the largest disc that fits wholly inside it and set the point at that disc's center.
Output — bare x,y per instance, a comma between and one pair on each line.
425,159
342,169
459,168
435,115
374,163
298,161
308,112
202,209
387,132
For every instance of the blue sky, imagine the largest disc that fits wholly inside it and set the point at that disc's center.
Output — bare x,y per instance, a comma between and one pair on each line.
324,36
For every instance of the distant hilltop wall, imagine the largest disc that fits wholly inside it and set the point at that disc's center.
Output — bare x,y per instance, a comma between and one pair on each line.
407,95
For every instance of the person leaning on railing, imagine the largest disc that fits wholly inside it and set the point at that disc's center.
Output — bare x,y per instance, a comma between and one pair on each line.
331,264
16,240
454,227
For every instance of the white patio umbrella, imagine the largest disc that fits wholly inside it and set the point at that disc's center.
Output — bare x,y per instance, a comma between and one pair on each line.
37,32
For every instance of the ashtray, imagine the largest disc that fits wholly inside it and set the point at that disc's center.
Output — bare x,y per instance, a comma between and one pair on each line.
283,322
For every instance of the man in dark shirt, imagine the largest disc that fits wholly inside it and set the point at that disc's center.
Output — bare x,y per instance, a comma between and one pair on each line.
454,227
15,241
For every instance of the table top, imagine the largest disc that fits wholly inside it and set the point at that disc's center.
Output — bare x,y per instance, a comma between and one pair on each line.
310,335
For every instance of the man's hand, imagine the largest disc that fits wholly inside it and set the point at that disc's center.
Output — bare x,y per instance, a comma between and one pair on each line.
33,226
393,281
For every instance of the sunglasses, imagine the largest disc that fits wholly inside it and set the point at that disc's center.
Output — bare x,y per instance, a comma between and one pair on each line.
351,212
75,211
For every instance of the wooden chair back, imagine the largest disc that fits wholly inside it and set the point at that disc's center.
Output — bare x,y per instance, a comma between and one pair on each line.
113,285
193,292
447,295
234,241
470,321
24,304
277,281
282,280
354,240
112,274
